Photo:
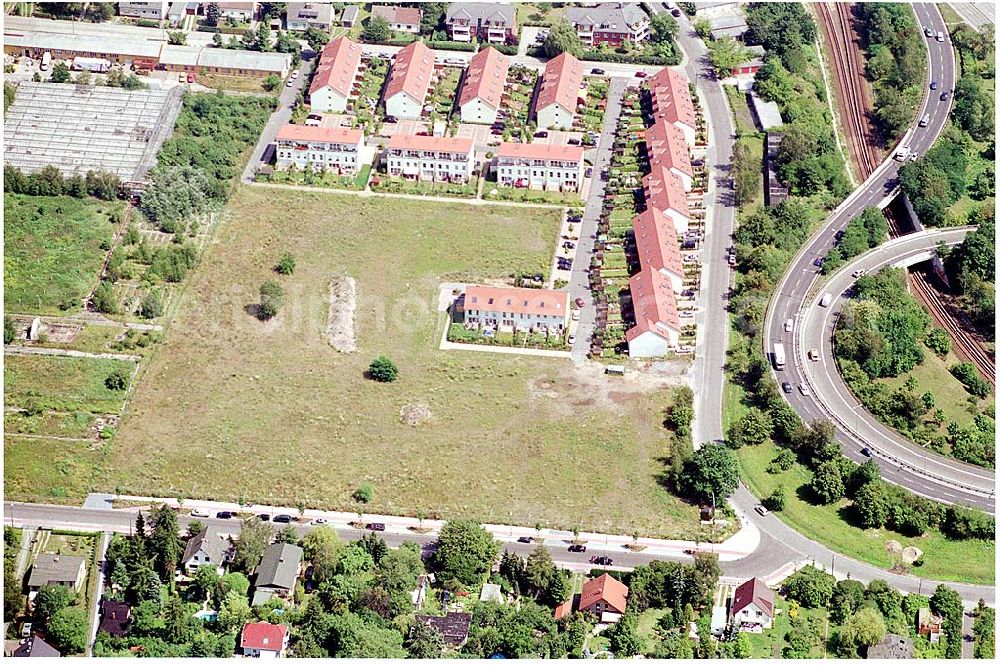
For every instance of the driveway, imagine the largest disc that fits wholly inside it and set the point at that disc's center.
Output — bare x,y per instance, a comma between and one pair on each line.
281,116
579,285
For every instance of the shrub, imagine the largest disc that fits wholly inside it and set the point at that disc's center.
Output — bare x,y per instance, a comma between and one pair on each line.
271,298
151,306
117,380
364,493
286,266
777,499
104,299
969,376
383,369
9,333
938,341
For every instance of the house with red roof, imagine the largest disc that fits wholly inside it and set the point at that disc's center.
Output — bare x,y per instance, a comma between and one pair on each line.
657,246
336,74
264,640
409,81
482,89
559,92
665,192
434,158
657,326
336,149
753,606
514,309
665,145
670,96
400,19
540,166
605,597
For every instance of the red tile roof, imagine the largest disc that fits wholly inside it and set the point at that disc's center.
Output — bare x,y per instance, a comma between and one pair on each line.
411,72
338,66
324,134
665,191
754,591
397,14
263,636
485,78
654,303
564,609
665,144
656,242
561,83
605,588
566,153
430,143
539,302
671,97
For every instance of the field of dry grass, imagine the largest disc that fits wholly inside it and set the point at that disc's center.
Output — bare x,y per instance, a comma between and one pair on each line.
231,407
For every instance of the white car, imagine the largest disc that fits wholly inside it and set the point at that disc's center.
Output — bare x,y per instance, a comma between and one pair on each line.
761,510
295,73
200,512
318,521
289,82
804,389
571,339
576,315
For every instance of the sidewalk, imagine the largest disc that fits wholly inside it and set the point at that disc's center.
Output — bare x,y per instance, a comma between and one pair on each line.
69,353
739,545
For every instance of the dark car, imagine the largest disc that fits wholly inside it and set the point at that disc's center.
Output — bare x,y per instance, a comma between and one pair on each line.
641,75
580,303
542,134
390,119
598,71
282,519
675,12
376,526
867,452
602,560
264,517
573,142
934,85
225,515
786,386
838,235
818,262
944,96
577,548
524,539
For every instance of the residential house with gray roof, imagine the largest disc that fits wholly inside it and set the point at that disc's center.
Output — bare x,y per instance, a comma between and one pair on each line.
277,572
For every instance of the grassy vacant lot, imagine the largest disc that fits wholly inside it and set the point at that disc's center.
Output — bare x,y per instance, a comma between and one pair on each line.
232,407
967,561
949,394
62,384
37,469
53,250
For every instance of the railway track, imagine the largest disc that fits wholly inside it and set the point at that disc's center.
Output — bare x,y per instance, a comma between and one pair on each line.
852,86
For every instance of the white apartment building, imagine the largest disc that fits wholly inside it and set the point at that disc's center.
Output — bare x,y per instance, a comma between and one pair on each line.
434,158
540,166
514,309
335,148
153,11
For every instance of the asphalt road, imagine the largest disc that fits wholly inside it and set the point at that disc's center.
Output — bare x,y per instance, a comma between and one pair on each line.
579,283
902,464
976,14
796,287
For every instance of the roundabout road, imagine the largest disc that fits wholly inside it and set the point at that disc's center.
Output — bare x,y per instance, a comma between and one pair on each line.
944,479
902,462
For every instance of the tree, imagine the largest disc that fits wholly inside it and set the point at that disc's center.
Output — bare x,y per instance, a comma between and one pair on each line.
376,30
465,552
364,493
271,298
254,537
151,305
322,547
827,483
712,472
726,55
60,73
424,641
662,28
232,583
948,604
810,587
317,39
104,300
776,500
382,369
848,595
562,38
103,184
175,193
271,83
165,542
9,331
176,38
752,429
865,628
68,628
206,581
212,14
50,599
234,612
872,506
624,639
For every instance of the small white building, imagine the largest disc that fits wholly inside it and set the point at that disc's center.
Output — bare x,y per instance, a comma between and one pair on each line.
336,149
242,12
540,166
559,92
482,89
434,158
153,11
515,309
300,16
400,19
409,81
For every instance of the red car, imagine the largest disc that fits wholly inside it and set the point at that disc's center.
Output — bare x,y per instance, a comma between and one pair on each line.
190,77
641,75
580,303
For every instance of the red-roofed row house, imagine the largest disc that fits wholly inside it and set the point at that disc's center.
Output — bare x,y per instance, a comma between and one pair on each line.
482,90
435,158
559,92
670,95
515,309
657,247
336,75
540,166
336,149
665,192
665,145
409,81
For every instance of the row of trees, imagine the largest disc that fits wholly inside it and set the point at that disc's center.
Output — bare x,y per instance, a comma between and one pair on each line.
939,178
49,181
972,266
866,231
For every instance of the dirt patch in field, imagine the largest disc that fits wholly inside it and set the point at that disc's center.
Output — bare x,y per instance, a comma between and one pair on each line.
586,384
340,322
415,414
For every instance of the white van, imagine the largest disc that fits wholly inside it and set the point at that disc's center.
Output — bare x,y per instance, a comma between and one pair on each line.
940,36
788,325
926,120
826,300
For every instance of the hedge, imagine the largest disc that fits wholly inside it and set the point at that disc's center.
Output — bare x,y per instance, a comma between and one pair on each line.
470,47
614,56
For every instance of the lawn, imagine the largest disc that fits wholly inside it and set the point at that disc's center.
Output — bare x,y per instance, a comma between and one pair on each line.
53,250
37,469
270,410
62,384
741,110
969,561
770,643
493,192
321,179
